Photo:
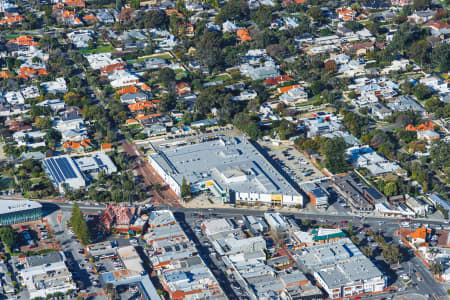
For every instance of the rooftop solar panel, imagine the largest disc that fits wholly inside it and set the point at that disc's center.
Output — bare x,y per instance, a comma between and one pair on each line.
66,168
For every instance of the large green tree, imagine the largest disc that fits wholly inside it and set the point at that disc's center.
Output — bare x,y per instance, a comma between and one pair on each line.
335,157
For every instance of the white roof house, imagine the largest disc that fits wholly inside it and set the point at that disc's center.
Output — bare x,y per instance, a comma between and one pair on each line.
57,86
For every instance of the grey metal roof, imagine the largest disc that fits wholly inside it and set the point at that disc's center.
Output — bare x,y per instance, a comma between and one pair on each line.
232,163
48,258
9,206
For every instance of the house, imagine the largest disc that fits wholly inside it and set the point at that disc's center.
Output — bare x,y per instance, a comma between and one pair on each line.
429,135
122,78
75,3
421,16
406,103
30,139
30,92
263,72
229,26
155,129
278,80
90,19
155,63
105,16
57,86
24,40
29,71
285,89
131,98
141,105
346,14
183,87
70,18
243,35
245,95
82,145
294,96
359,48
12,20
380,111
54,104
401,2
109,69
438,28
204,123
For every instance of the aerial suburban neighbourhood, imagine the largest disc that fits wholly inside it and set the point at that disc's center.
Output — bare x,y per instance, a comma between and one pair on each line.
224,149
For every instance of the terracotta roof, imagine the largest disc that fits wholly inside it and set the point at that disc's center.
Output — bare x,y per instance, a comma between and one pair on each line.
113,67
244,35
24,40
437,25
90,18
428,125
4,75
77,145
131,122
277,80
141,105
145,87
75,3
105,146
285,89
12,20
128,90
421,233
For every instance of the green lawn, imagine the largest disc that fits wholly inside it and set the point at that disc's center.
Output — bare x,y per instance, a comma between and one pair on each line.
223,77
99,49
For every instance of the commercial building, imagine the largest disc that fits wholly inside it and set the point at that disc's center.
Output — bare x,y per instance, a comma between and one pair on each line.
318,198
72,172
255,224
317,236
95,163
63,171
132,273
231,168
123,218
276,222
175,259
46,279
341,269
217,226
18,211
353,190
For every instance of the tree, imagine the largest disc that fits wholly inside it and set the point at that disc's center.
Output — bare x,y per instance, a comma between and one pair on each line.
335,157
392,253
262,16
355,123
185,189
316,14
418,51
437,268
8,236
390,189
422,92
367,251
79,225
166,76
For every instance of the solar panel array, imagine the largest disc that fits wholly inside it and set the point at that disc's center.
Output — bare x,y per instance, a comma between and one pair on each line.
60,169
